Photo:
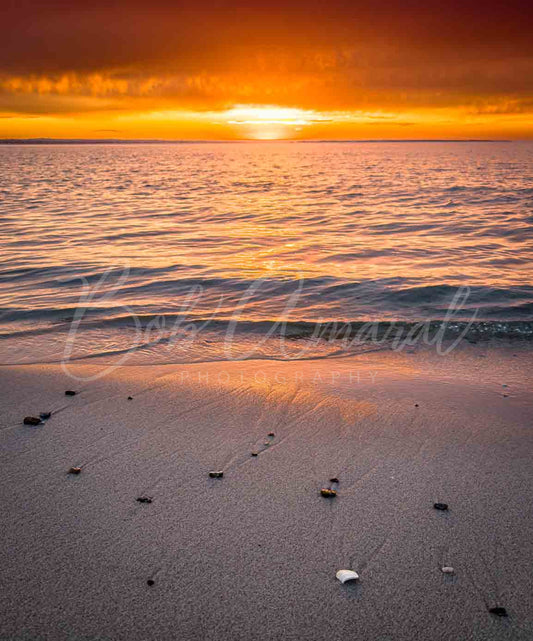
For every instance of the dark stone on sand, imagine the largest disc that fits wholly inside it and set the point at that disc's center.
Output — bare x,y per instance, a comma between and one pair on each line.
45,415
255,453
498,611
271,434
416,404
130,398
334,480
74,470
144,499
440,506
216,475
70,392
150,582
328,493
31,420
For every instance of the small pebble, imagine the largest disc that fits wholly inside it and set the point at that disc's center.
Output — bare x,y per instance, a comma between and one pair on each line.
498,611
416,404
74,470
266,443
271,434
448,569
334,480
144,499
70,392
150,582
31,420
130,398
440,506
45,415
328,492
216,475
255,453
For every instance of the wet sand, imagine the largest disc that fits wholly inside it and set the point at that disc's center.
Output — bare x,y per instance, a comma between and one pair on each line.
253,555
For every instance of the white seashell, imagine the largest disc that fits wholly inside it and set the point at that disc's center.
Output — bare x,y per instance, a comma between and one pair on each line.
347,575
448,570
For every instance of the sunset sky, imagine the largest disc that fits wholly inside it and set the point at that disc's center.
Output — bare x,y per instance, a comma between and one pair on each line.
290,69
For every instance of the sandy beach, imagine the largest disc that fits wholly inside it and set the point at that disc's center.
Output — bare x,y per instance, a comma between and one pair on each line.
253,555
266,321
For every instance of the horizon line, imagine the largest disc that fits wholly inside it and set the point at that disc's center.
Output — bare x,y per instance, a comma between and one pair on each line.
65,141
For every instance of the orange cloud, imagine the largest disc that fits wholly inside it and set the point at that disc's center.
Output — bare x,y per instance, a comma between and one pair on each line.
441,69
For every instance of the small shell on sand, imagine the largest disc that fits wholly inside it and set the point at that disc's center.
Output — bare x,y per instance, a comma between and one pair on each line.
31,420
74,470
328,492
347,575
440,506
447,569
255,453
216,474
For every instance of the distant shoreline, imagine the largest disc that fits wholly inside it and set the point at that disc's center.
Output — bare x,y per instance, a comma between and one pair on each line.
117,141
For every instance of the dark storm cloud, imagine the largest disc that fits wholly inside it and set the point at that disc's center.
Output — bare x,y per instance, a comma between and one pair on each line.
207,54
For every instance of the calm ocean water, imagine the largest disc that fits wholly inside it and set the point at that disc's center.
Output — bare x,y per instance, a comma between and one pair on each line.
157,247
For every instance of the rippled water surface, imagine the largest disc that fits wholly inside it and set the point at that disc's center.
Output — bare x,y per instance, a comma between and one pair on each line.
153,236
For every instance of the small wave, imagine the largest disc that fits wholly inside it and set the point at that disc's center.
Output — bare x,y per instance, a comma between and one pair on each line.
249,341
313,299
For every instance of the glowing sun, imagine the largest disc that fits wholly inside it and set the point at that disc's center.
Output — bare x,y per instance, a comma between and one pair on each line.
269,122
